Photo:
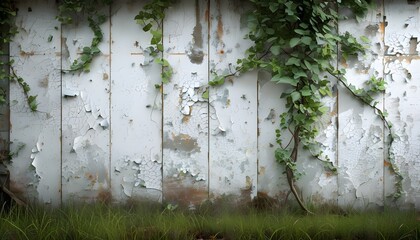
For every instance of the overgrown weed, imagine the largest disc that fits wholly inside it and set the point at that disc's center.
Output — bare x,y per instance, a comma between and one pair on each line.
221,219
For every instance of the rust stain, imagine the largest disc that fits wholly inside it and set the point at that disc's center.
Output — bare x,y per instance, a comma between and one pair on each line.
186,119
91,177
206,15
26,54
387,164
183,195
219,22
261,171
104,196
105,76
382,27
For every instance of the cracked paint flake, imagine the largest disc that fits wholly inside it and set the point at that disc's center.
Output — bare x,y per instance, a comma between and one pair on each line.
230,108
143,174
190,94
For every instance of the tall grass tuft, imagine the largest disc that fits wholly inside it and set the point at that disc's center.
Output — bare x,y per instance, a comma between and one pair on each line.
210,221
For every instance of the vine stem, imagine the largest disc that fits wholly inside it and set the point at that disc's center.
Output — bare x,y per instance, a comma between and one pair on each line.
21,83
290,174
379,113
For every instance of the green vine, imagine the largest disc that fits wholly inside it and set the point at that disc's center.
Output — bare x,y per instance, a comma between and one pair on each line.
8,13
151,19
296,41
68,11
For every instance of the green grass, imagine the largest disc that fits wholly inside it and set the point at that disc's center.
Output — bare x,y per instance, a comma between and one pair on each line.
210,221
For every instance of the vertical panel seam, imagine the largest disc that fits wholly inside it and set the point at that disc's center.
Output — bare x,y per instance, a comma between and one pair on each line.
162,117
385,148
110,98
208,102
337,108
61,114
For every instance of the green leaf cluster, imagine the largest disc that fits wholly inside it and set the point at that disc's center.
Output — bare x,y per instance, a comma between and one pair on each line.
71,9
8,28
150,18
297,41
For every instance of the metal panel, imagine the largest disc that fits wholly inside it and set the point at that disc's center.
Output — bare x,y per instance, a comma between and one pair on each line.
136,109
402,66
360,139
176,143
185,121
271,180
35,168
233,111
86,117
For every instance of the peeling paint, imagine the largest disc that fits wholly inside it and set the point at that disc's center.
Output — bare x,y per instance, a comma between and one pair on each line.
240,135
191,93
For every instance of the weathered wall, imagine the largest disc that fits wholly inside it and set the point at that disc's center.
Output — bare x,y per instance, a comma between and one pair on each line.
110,133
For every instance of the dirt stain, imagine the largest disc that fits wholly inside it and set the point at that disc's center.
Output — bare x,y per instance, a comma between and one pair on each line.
184,195
196,53
181,142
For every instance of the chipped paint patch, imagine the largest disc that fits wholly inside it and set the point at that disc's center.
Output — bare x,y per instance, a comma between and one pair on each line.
190,94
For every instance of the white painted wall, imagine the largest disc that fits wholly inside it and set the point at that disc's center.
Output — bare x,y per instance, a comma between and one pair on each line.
121,137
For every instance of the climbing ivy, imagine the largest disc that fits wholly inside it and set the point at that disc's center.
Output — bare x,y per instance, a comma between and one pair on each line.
297,42
8,13
151,19
71,9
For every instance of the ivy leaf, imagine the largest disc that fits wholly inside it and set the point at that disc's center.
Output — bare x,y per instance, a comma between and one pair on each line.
218,80
273,7
294,41
300,74
301,31
295,96
205,94
293,61
147,27
285,79
306,40
306,91
365,39
275,50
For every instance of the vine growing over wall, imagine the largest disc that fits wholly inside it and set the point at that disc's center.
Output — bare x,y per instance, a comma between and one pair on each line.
8,13
151,19
297,41
71,9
